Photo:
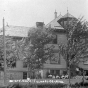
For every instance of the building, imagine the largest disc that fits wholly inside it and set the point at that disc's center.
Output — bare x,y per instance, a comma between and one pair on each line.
58,65
16,33
20,69
59,26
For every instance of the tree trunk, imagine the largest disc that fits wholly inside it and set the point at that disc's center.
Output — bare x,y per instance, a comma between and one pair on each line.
28,71
28,76
83,77
69,73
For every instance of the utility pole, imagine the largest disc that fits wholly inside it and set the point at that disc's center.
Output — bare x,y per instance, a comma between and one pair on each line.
69,57
4,43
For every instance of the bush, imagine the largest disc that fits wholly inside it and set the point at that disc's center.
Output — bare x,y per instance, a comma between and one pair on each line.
17,86
84,84
75,85
34,86
80,84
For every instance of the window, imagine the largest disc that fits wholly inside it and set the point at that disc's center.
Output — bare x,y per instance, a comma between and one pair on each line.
11,77
64,72
2,66
55,40
24,75
55,59
85,62
51,72
11,64
14,64
57,72
24,64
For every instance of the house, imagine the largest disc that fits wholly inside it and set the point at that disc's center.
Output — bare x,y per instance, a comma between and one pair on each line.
20,69
59,25
58,65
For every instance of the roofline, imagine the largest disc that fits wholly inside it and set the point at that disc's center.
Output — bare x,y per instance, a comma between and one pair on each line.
17,26
69,17
52,20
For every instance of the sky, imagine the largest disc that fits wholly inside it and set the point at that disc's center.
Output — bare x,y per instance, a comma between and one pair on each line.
28,12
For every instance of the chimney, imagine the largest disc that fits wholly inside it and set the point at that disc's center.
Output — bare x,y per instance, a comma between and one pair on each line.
40,24
55,14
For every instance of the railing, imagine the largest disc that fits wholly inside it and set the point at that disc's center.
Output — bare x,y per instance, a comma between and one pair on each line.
49,83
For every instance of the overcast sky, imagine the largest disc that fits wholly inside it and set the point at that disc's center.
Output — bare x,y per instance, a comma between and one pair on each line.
28,12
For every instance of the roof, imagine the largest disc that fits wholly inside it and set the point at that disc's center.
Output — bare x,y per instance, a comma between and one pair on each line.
19,31
68,15
54,24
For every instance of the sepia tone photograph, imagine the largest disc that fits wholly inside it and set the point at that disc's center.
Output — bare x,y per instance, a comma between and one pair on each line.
43,43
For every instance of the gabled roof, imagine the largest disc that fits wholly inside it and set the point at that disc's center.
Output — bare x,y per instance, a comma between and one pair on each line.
16,31
54,24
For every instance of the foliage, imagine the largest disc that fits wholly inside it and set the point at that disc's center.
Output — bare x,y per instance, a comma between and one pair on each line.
35,55
77,43
8,42
34,48
12,51
17,85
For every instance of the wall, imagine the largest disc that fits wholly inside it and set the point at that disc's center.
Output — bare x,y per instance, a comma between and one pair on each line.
61,39
19,64
14,75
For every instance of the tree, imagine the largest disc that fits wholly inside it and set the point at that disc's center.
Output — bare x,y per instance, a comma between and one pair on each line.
38,53
76,49
11,51
2,51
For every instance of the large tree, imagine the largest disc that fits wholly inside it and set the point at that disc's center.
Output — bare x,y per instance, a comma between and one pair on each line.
35,50
32,49
76,49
